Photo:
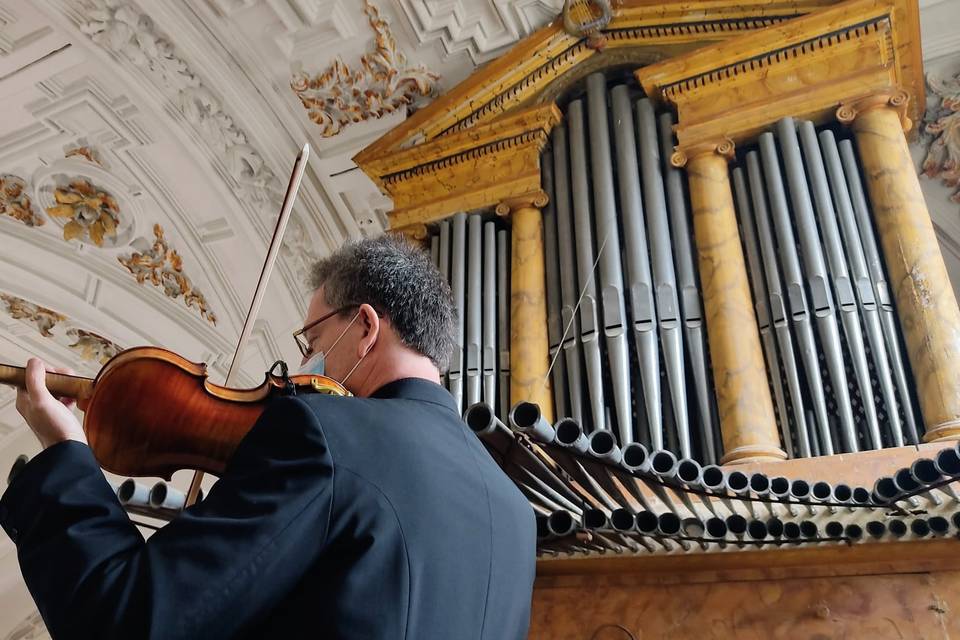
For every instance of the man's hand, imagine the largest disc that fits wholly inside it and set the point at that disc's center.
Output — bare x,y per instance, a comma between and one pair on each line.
50,418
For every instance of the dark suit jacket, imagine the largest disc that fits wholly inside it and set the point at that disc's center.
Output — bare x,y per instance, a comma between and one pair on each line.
369,518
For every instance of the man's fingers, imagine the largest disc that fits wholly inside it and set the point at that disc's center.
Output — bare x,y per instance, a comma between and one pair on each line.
37,379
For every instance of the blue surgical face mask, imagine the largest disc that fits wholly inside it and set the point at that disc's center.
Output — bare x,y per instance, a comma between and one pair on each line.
316,364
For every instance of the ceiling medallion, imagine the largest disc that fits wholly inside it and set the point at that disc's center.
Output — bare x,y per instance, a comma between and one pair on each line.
16,203
91,205
90,346
942,124
163,268
382,84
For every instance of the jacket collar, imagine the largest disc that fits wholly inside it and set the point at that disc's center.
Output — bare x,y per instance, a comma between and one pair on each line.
417,389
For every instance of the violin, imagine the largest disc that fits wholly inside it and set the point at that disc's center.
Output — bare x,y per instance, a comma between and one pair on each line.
150,412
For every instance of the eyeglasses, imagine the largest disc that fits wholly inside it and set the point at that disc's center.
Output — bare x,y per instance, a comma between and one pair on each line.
300,335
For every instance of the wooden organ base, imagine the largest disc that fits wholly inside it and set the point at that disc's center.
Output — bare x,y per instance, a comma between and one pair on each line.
907,589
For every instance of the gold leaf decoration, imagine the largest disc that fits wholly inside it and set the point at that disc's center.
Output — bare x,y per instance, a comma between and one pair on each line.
87,153
163,267
42,318
15,202
943,124
86,207
384,83
92,346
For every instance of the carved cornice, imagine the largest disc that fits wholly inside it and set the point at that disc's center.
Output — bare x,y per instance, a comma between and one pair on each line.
530,68
383,83
802,68
896,99
472,169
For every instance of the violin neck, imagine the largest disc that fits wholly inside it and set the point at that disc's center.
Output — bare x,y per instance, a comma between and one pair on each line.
60,384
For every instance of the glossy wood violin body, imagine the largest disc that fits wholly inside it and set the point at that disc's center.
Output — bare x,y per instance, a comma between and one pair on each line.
150,412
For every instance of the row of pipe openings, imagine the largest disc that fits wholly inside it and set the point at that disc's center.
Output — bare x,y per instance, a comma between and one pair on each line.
667,529
919,479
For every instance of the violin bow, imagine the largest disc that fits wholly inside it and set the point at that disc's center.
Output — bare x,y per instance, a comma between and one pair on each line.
289,197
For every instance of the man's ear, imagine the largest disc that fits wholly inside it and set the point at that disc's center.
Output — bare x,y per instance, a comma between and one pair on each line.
370,321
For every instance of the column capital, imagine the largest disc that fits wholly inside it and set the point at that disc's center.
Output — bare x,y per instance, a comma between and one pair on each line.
893,98
416,232
533,200
722,147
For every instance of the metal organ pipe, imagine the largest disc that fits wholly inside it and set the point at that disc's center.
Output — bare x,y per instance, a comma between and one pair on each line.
551,257
664,277
640,282
816,277
587,298
609,255
690,307
796,291
837,261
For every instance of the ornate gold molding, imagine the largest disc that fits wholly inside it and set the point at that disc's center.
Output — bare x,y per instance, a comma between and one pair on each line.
163,267
942,127
90,346
898,99
468,170
384,82
16,203
43,319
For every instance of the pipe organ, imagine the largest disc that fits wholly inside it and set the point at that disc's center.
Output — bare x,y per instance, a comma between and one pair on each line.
705,324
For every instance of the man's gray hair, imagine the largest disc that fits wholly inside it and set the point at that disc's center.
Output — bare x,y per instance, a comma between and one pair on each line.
399,280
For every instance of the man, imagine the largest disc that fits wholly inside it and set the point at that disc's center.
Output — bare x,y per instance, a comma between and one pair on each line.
377,517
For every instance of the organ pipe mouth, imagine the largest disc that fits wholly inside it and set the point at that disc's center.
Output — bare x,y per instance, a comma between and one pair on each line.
663,463
925,471
480,418
527,418
854,531
800,489
568,431
920,528
775,527
808,529
791,530
938,525
668,523
635,457
842,493
834,529
647,522
738,482
822,491
736,524
897,528
780,487
759,483
623,520
876,529
689,471
861,495
905,481
594,519
713,477
716,527
604,446
132,493
948,462
757,529
561,523
885,489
